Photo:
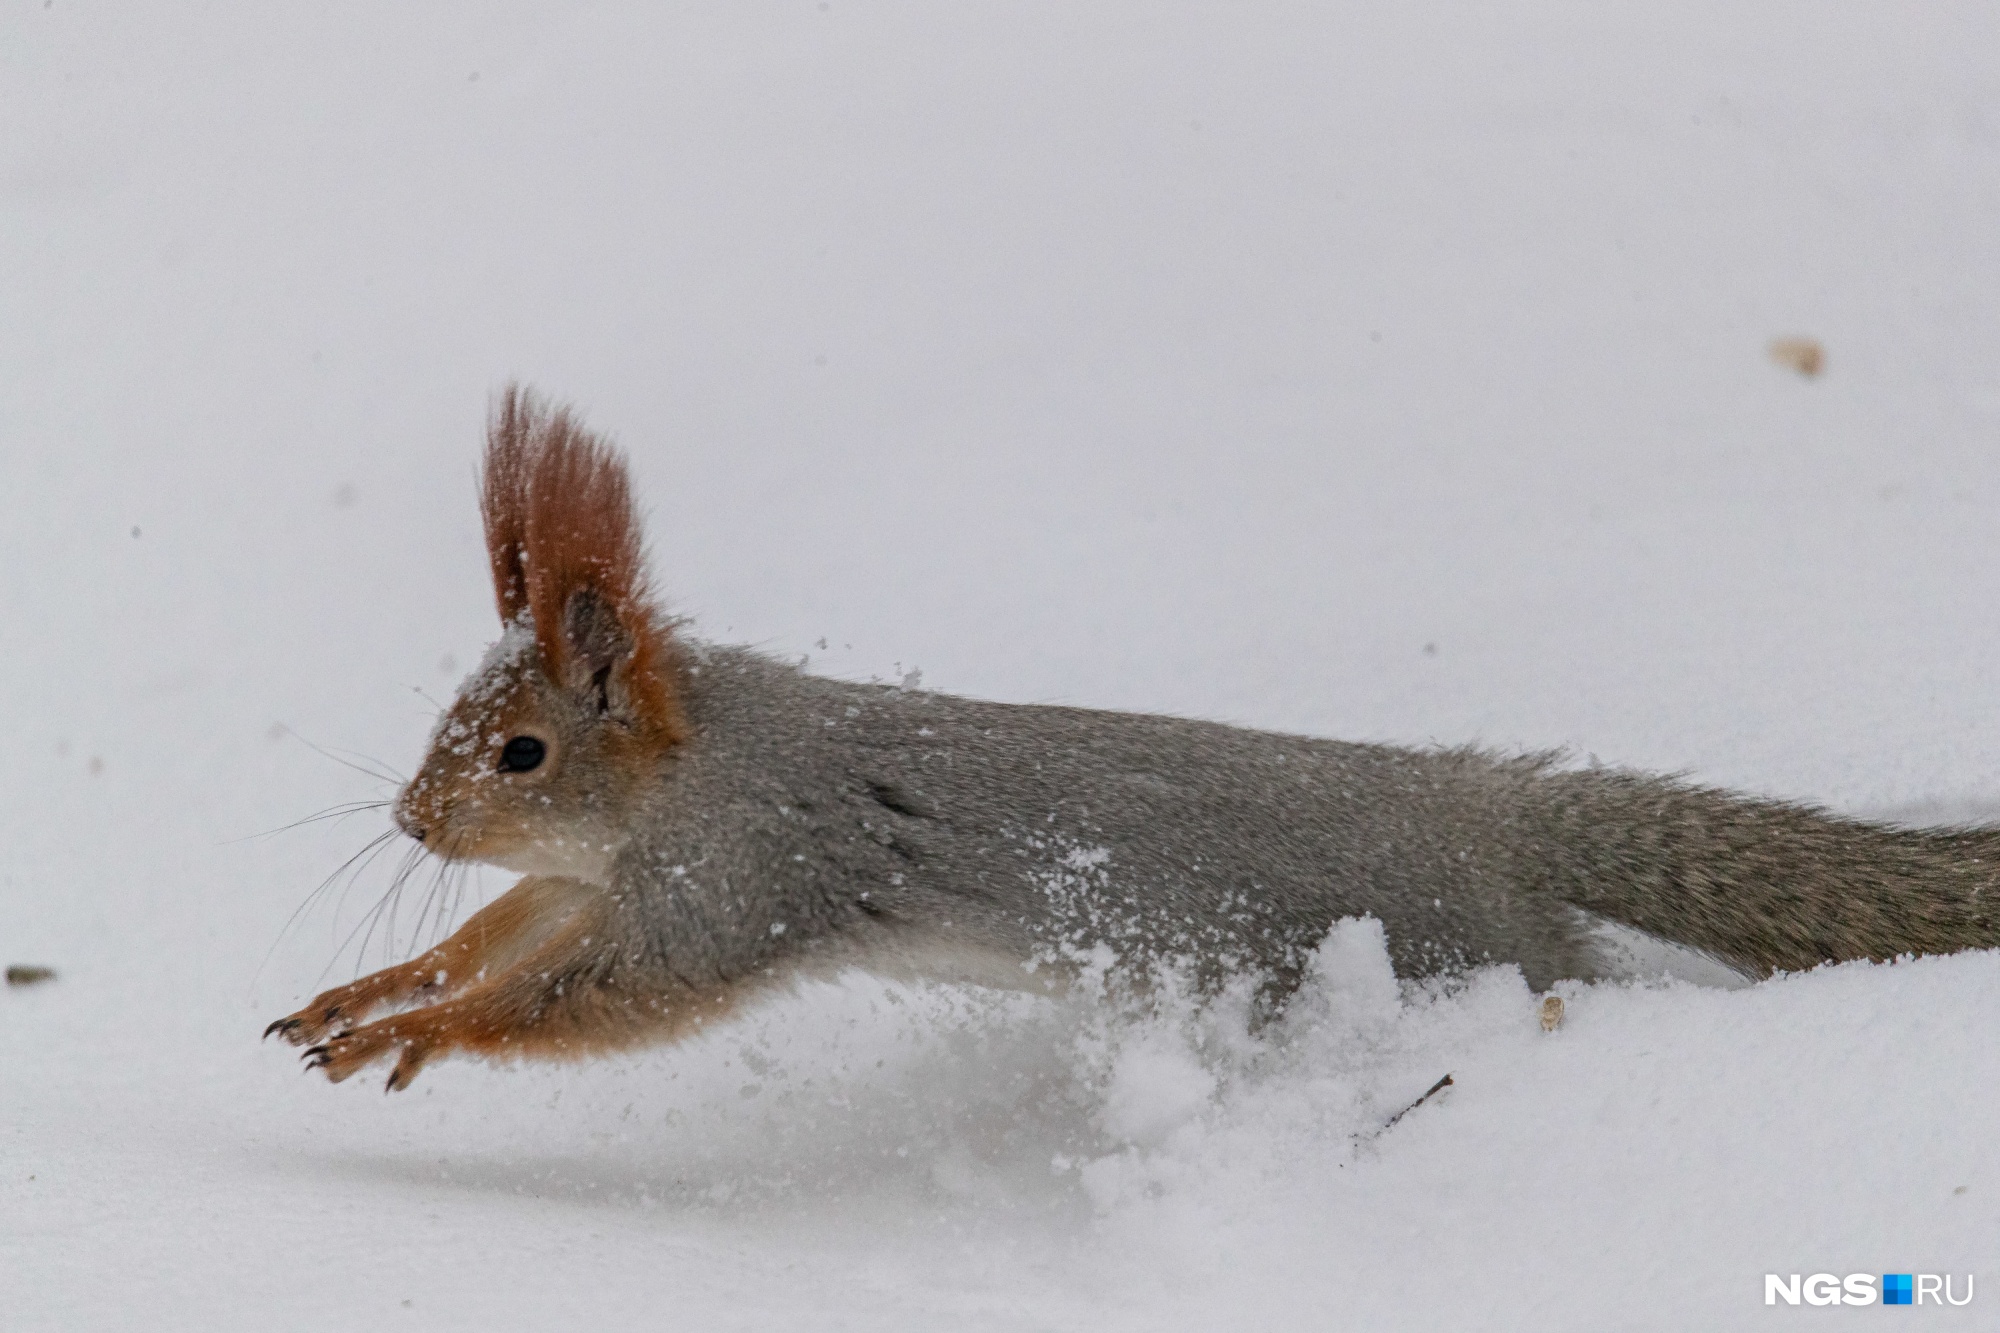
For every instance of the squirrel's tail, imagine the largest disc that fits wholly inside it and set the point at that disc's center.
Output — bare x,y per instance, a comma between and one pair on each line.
1763,885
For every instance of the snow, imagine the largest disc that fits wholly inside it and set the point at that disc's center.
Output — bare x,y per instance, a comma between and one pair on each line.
1382,372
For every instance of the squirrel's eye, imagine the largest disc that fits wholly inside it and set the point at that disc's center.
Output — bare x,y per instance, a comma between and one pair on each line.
521,754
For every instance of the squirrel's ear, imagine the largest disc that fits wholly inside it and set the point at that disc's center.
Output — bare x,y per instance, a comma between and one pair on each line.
600,652
511,442
567,553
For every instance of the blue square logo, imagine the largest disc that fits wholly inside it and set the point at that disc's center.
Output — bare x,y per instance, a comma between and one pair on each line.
1895,1289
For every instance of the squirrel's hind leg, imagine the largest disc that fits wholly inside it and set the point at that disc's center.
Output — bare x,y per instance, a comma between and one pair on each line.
583,990
494,936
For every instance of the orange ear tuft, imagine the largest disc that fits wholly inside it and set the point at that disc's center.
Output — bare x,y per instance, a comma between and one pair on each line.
566,545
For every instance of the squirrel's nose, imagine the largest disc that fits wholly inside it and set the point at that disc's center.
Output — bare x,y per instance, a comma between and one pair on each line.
407,824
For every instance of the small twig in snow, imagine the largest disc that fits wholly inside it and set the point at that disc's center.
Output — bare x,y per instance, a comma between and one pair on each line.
1435,1088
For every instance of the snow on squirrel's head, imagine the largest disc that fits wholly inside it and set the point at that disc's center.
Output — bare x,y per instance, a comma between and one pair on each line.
540,759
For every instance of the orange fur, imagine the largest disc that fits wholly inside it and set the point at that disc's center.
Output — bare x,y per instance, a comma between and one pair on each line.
568,997
494,936
559,515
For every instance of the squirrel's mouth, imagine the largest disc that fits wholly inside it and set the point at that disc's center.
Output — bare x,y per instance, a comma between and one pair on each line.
427,826
444,843
441,836
409,824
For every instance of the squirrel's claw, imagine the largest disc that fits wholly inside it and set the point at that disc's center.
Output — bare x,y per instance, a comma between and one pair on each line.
308,1024
346,1053
408,1065
347,1005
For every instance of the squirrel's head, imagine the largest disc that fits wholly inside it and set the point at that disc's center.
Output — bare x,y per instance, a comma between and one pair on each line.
538,763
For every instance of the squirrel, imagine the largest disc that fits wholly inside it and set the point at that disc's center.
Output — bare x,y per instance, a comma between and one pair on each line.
699,825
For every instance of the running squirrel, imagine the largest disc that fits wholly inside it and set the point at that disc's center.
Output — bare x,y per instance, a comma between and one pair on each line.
697,825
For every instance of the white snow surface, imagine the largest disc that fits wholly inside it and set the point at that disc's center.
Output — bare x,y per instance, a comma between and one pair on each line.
1383,372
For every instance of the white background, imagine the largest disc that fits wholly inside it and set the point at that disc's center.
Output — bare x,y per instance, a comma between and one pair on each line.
1214,359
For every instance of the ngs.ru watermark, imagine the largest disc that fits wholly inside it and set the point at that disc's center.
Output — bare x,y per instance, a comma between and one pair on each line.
1859,1289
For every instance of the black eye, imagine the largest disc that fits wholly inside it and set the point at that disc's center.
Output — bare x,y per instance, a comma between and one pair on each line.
521,754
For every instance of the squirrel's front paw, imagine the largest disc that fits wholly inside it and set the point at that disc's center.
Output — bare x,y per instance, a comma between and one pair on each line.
308,1024
344,1006
347,1053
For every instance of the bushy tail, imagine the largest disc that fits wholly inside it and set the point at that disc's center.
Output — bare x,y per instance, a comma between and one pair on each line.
1763,885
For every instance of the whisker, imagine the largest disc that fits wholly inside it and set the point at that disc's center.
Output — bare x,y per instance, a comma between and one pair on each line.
466,872
459,881
368,850
336,813
432,899
453,895
380,772
437,902
353,878
370,918
394,899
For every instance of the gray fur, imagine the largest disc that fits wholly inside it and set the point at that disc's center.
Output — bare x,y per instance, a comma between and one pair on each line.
812,823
